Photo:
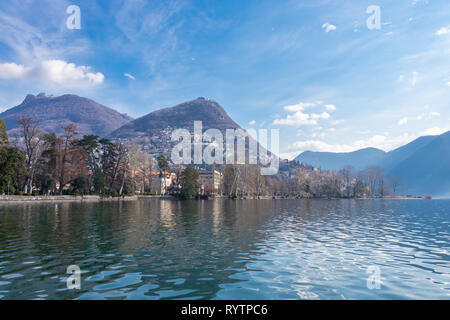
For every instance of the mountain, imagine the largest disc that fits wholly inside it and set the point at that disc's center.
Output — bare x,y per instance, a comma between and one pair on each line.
400,154
52,112
422,165
427,170
183,115
153,131
335,161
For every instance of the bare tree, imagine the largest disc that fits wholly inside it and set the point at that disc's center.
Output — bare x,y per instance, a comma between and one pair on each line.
374,176
230,179
31,146
396,184
348,176
70,157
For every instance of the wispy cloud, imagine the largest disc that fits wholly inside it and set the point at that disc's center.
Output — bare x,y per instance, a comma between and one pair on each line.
129,76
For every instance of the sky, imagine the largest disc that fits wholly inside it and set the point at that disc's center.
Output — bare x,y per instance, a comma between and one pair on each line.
316,70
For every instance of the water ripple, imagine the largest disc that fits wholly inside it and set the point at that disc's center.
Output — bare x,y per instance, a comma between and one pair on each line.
292,249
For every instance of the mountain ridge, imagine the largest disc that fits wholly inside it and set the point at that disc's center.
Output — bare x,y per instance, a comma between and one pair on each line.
212,114
53,112
339,160
153,131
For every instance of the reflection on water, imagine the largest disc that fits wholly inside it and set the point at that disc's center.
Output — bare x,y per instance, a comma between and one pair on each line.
222,249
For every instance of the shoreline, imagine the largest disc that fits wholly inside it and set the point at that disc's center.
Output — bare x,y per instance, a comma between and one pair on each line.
91,198
68,198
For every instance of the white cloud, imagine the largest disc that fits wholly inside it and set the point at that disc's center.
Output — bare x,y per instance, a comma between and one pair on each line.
323,115
328,27
298,118
319,146
402,121
300,106
443,31
301,118
376,141
435,114
129,76
289,155
252,123
54,71
435,131
11,71
330,107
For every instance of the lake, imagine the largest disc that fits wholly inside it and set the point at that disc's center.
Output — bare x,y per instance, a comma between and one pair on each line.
225,249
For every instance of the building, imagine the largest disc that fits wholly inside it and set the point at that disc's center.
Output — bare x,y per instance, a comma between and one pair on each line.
160,185
209,181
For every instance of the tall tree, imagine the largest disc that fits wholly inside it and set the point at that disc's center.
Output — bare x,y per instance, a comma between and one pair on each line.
164,170
396,184
67,160
4,141
12,162
229,181
374,175
190,183
31,144
90,144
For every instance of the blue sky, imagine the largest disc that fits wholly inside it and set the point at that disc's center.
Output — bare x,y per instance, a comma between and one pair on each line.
310,68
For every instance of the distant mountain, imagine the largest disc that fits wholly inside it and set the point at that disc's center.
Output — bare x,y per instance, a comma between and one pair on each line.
427,170
422,165
153,131
400,154
52,112
335,161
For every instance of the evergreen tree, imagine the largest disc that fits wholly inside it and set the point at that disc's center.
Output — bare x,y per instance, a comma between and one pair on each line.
190,183
4,141
12,166
164,169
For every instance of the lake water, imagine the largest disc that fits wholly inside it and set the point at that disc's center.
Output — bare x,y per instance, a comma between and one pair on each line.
223,249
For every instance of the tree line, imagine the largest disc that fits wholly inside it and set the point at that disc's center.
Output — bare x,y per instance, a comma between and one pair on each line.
35,162
299,180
